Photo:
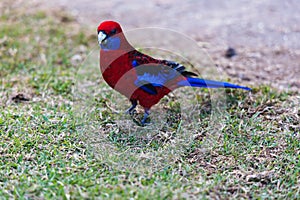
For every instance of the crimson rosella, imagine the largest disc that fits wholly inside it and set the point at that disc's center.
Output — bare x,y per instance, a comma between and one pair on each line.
141,78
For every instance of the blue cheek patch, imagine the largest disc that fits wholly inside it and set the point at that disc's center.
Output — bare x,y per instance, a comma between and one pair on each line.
112,43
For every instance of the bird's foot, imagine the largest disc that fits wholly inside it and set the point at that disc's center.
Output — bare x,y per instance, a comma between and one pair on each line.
144,121
130,111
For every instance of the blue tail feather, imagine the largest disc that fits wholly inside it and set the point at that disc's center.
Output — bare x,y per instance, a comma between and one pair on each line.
196,82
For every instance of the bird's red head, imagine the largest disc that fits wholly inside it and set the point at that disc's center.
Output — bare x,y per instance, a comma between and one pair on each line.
109,27
111,37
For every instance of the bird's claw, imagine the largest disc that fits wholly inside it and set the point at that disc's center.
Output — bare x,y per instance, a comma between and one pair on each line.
144,123
144,120
130,112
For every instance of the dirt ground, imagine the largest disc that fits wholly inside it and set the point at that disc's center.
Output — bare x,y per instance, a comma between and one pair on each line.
265,33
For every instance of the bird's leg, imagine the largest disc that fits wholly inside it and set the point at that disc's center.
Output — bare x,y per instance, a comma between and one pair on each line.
133,105
146,114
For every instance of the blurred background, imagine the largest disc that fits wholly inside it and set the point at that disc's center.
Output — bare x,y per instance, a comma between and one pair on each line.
265,34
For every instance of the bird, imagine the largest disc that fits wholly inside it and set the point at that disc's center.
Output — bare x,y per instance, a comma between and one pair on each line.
144,80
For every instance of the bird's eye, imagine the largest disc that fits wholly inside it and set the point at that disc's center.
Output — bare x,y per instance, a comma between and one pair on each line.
113,31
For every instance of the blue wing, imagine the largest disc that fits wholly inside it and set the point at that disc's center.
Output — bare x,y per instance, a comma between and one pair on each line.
154,75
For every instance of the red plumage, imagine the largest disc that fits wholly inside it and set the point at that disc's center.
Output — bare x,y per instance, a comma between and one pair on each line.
118,72
141,78
120,75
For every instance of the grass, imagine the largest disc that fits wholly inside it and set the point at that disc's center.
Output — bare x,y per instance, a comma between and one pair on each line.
63,136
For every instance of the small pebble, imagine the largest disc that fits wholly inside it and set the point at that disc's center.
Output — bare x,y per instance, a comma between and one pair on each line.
230,52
